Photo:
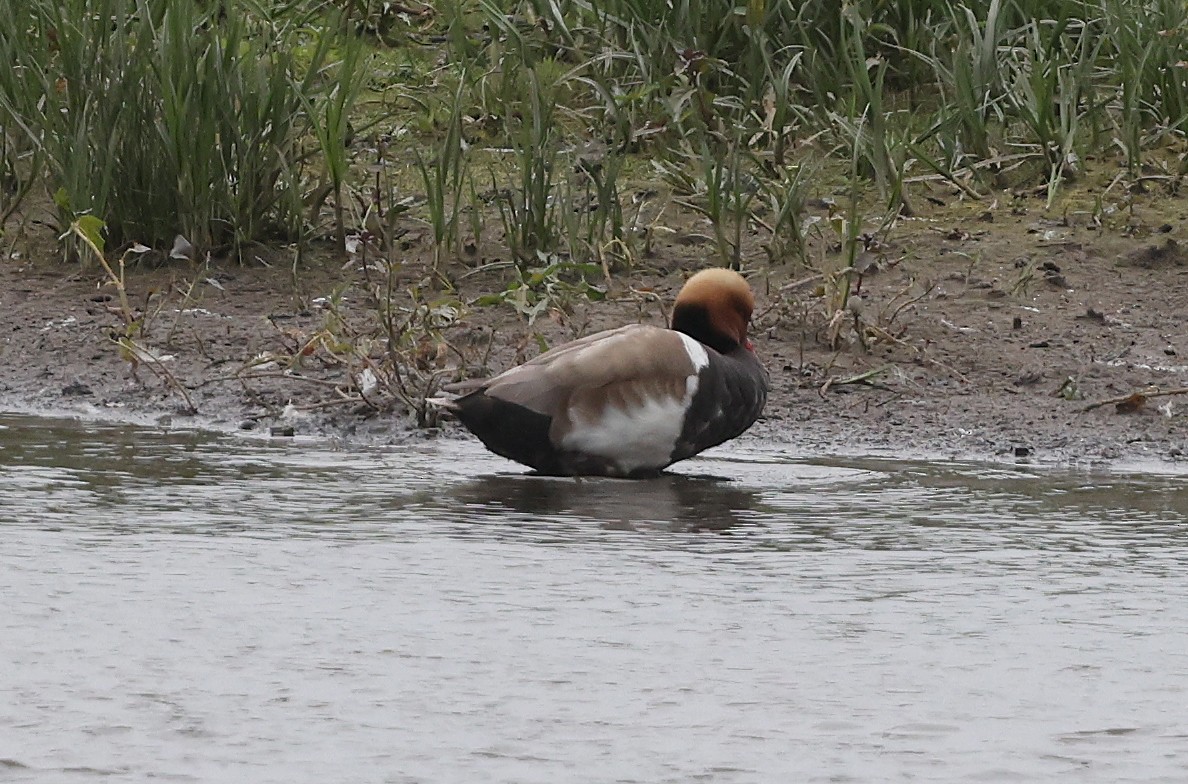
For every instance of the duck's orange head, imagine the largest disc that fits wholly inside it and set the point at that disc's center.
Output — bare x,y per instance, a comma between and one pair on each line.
714,307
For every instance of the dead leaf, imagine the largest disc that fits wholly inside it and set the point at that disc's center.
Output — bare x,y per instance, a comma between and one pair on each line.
1131,403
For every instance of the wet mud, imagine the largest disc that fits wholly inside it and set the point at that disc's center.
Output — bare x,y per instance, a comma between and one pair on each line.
989,333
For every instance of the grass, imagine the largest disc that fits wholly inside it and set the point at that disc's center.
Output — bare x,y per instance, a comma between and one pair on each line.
186,119
175,119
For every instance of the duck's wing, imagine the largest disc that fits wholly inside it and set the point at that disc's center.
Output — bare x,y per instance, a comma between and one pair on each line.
616,368
565,355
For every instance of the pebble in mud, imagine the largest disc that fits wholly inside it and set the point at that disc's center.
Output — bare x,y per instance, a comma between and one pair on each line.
76,389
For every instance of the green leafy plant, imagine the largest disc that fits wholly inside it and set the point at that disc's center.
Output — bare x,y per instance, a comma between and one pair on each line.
88,230
555,286
444,177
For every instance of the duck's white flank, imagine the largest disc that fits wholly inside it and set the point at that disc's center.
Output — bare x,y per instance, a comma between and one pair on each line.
642,436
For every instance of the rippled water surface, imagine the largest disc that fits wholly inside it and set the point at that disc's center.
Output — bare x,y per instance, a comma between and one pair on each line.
190,607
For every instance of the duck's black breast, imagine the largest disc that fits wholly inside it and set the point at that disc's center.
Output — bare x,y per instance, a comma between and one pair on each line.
731,393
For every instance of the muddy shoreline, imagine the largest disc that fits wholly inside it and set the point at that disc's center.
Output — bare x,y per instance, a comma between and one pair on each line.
987,339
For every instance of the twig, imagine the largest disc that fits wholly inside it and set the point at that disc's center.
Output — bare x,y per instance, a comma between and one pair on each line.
885,335
967,170
862,378
797,284
906,304
330,403
138,353
294,377
253,376
1131,396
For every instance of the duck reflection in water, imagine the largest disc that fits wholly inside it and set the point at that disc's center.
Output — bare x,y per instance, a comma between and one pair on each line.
669,502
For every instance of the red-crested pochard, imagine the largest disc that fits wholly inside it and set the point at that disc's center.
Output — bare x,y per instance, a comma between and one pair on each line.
630,401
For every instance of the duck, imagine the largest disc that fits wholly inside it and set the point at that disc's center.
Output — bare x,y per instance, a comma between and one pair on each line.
631,401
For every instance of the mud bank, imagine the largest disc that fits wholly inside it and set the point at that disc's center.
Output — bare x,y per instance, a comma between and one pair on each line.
986,336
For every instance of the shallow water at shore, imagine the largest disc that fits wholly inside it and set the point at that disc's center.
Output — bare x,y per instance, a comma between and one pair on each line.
196,607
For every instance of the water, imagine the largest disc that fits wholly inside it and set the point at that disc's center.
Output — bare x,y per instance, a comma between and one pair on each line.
189,607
